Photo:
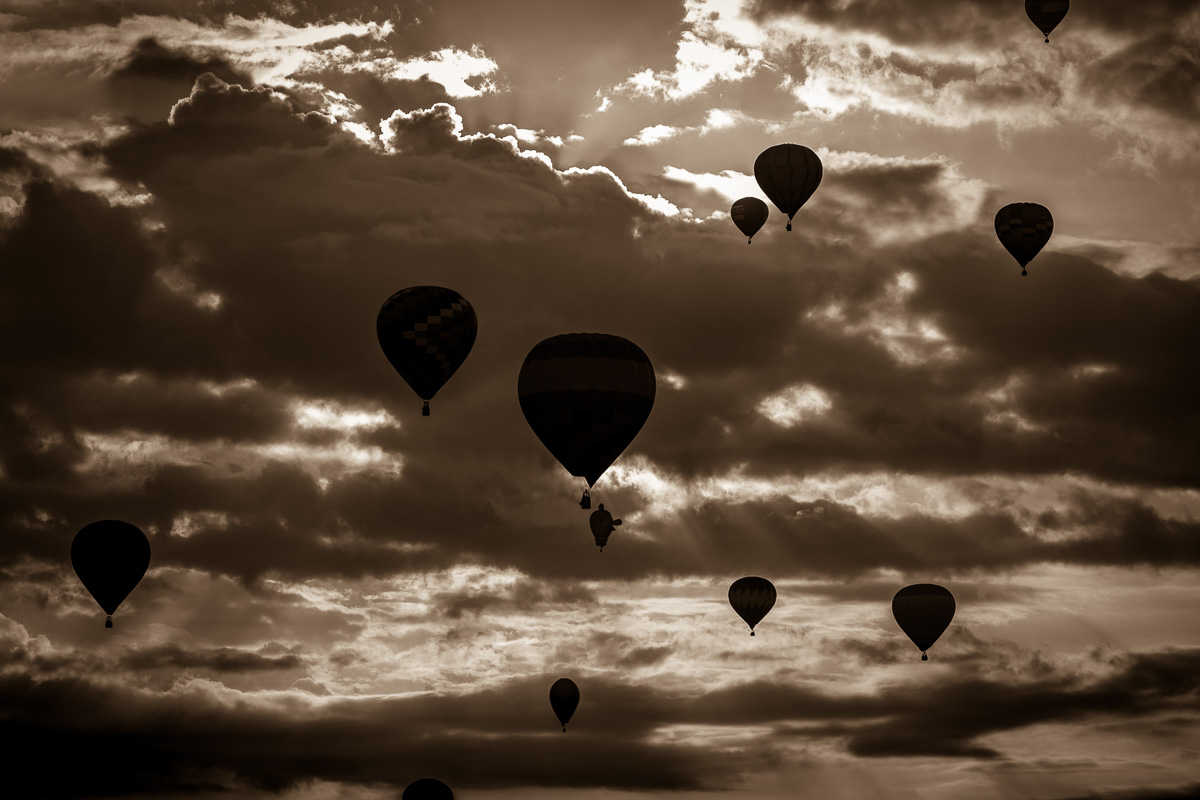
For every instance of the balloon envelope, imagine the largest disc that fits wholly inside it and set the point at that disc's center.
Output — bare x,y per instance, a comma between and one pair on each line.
1046,14
788,174
602,524
564,699
426,332
427,789
110,557
749,214
923,611
752,598
1024,229
586,395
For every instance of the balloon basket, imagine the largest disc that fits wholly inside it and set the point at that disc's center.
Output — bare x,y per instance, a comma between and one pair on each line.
585,502
108,622
425,409
924,656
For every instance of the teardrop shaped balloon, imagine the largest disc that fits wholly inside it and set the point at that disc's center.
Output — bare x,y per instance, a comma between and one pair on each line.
749,214
110,557
752,598
586,395
427,789
602,524
923,611
426,332
564,699
1024,229
788,174
1046,14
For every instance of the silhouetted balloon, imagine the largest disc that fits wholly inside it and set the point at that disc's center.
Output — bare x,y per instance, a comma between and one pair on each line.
752,598
110,557
427,789
426,332
788,174
564,699
1046,14
586,395
749,214
1024,229
602,524
923,611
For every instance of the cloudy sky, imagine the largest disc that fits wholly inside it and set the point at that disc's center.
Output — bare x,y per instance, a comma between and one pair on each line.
203,205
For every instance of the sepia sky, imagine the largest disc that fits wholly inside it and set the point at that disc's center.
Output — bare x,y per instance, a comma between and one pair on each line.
204,204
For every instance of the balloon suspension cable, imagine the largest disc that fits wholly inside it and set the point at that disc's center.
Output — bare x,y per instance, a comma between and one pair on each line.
425,409
108,622
924,656
585,502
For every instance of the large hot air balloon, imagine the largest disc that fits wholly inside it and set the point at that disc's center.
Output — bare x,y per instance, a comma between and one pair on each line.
1046,14
749,214
788,174
564,699
752,598
1024,229
923,611
427,333
586,395
427,789
110,557
602,524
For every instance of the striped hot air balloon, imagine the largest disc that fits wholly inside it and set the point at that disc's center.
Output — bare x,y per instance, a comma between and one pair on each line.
788,174
586,395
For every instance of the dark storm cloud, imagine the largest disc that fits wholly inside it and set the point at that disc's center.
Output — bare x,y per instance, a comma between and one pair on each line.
215,659
63,14
1183,791
1161,72
523,597
153,78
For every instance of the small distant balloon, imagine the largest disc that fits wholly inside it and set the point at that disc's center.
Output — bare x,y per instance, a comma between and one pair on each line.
749,214
752,598
1046,14
427,789
1024,229
426,332
923,611
586,395
110,557
602,524
788,174
564,699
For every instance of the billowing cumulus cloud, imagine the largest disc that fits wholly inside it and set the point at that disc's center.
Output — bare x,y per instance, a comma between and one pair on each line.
203,208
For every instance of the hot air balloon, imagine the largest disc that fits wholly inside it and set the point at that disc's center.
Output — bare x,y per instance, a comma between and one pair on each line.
788,174
1046,14
426,332
749,214
1024,229
427,789
564,699
110,557
602,524
923,611
752,598
586,395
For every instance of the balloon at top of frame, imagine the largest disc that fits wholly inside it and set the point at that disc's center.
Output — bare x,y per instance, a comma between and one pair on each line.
1046,14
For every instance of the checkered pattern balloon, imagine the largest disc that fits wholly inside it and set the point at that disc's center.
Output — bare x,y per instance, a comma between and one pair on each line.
788,174
752,598
586,395
1024,229
426,332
